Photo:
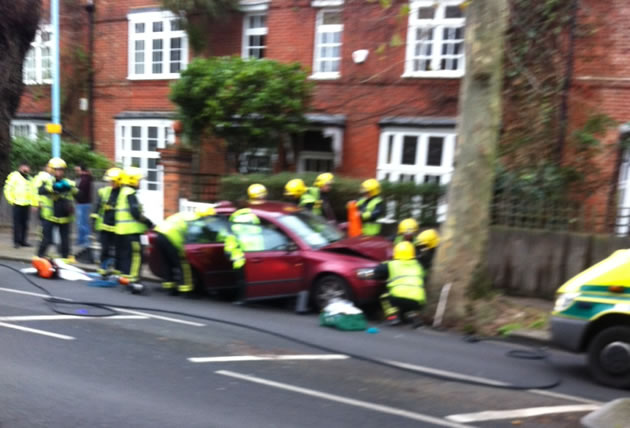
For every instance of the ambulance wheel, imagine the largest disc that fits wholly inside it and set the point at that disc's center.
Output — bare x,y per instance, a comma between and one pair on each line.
329,287
609,357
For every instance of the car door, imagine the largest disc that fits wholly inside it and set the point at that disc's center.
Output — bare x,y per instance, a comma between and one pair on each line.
205,252
278,269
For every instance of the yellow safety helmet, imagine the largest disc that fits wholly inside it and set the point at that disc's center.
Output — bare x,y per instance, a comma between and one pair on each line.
132,176
206,212
428,239
407,227
295,188
244,216
323,179
257,192
115,175
404,251
371,186
57,163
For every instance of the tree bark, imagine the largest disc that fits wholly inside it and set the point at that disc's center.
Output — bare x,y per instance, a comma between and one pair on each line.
461,257
19,20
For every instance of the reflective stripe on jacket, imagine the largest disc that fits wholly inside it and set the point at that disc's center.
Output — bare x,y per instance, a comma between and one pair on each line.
103,193
367,207
57,207
405,280
249,236
17,189
126,224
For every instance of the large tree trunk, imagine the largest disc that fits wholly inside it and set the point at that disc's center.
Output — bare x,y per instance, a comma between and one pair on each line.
461,257
18,24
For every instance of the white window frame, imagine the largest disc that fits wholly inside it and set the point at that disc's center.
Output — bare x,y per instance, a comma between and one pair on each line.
37,46
148,36
262,31
32,126
307,155
124,152
329,28
419,169
436,24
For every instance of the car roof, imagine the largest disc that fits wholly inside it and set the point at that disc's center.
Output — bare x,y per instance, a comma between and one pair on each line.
266,208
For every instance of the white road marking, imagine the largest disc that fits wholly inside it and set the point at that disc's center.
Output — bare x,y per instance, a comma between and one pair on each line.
29,293
344,400
564,396
487,381
159,317
36,331
69,317
495,415
237,358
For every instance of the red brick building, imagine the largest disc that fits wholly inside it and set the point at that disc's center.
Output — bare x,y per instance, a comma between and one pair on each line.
387,82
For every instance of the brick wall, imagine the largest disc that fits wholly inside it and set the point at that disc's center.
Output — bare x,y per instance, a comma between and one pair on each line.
601,82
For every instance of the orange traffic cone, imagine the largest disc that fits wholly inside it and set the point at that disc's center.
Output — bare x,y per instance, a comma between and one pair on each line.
354,220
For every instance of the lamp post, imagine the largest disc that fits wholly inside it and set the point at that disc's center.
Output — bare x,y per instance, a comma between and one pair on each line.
55,127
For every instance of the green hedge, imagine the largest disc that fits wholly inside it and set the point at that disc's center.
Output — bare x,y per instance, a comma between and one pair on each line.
37,153
234,188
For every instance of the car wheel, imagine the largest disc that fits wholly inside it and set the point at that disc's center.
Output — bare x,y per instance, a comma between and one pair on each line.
329,287
609,357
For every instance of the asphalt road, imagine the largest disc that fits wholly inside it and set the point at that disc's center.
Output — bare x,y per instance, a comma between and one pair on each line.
150,369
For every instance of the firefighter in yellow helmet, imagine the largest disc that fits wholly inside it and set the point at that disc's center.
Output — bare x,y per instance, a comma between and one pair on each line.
294,189
427,243
405,286
246,235
315,198
56,207
171,238
104,217
18,193
407,230
257,193
130,224
371,206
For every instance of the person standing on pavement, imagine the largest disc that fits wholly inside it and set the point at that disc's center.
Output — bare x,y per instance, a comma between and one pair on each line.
171,237
104,218
427,243
295,189
130,224
18,193
57,207
405,294
371,206
83,205
44,175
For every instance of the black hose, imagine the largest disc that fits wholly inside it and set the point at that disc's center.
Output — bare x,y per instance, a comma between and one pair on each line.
111,310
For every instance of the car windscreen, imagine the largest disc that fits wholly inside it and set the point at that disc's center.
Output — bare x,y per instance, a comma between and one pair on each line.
311,229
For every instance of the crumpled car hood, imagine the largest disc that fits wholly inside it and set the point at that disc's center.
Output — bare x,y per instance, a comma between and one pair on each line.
370,247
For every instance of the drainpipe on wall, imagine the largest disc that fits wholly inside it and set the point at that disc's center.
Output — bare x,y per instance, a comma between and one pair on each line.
89,8
564,106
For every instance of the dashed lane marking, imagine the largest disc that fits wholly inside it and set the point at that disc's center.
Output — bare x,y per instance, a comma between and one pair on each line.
69,317
495,415
344,400
36,331
239,358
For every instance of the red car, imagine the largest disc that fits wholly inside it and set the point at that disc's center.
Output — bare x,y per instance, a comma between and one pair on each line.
302,252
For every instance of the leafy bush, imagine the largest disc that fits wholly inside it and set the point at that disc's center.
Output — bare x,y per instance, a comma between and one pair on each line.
405,195
37,153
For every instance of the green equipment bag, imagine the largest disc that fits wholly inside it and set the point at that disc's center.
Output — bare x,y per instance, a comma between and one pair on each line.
345,322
